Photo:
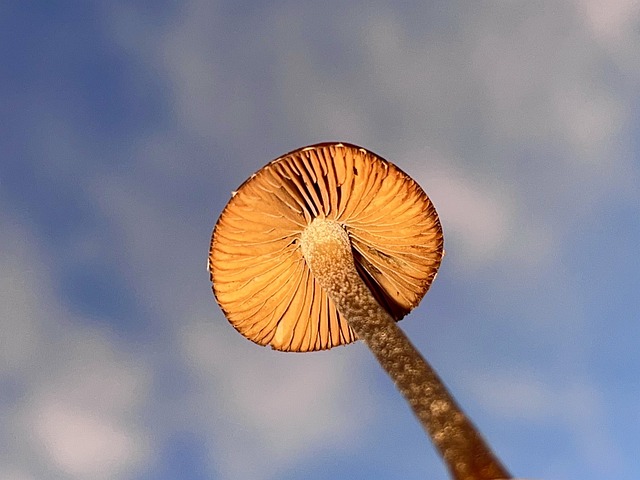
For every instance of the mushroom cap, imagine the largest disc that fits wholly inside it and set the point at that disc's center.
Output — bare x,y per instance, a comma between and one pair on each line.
260,277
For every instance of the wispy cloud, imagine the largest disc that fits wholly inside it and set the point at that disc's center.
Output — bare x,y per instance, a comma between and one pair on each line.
72,395
576,411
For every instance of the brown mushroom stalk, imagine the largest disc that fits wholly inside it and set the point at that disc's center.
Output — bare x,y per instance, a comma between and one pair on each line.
327,249
331,243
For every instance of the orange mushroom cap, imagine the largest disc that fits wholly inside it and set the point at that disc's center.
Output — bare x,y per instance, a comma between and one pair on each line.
260,277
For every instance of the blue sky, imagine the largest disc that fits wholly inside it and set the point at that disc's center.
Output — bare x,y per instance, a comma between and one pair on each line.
126,125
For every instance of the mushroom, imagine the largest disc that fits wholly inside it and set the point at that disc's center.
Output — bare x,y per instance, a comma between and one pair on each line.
329,244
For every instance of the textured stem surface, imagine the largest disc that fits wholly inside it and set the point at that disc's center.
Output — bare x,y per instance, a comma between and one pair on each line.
327,250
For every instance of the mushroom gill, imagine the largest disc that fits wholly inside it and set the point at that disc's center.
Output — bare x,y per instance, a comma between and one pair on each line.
260,279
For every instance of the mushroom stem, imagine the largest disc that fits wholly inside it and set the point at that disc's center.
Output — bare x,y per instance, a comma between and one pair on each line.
327,250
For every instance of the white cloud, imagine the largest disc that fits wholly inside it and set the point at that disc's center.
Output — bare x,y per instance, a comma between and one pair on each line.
210,96
83,444
590,119
477,215
274,409
77,394
575,407
14,473
515,395
18,312
611,21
